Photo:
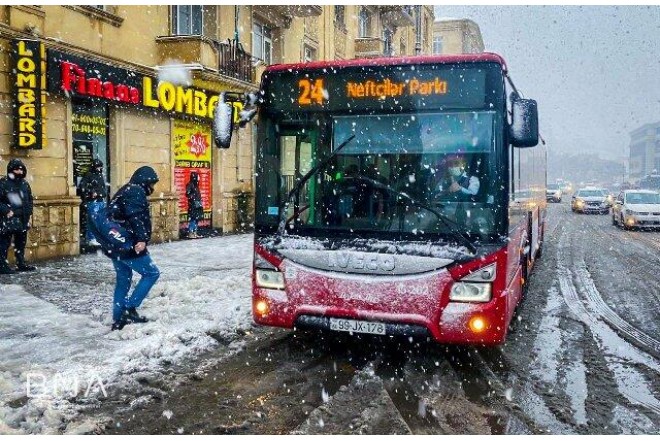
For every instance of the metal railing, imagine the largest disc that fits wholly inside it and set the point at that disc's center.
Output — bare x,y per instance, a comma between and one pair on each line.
235,62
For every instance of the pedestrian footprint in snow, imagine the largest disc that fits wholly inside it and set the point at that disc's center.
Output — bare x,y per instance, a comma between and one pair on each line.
124,231
15,213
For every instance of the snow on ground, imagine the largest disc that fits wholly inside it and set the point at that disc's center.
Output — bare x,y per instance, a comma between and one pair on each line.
55,327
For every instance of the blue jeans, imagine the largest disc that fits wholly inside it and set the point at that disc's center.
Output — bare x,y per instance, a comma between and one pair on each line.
192,226
124,268
92,208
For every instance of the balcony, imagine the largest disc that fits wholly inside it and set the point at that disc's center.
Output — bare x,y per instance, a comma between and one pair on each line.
369,47
298,10
397,16
235,62
282,16
187,49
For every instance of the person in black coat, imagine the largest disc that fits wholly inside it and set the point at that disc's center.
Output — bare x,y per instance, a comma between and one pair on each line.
130,207
195,206
16,207
93,192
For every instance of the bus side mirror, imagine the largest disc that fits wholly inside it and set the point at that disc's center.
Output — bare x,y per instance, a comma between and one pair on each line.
223,123
524,130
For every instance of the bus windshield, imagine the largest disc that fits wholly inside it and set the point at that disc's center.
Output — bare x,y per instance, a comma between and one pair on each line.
444,161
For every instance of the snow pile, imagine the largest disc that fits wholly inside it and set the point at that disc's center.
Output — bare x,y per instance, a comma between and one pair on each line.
413,248
67,359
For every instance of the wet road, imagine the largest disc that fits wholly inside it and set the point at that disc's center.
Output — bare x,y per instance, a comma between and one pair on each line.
583,356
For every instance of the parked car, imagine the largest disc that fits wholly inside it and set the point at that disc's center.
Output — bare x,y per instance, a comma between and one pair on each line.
637,208
590,200
553,193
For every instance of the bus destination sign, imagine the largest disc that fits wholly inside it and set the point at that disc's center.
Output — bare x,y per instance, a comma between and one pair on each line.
372,88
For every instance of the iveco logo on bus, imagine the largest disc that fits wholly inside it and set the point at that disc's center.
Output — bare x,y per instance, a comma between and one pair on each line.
361,261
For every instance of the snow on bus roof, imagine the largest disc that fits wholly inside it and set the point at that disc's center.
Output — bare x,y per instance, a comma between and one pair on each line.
389,61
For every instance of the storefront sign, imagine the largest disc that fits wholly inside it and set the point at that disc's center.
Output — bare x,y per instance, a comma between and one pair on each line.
29,100
191,144
76,76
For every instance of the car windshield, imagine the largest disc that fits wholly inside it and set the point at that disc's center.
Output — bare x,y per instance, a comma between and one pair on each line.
590,194
642,198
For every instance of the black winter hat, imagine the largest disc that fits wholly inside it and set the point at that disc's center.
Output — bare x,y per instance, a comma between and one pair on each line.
97,163
16,164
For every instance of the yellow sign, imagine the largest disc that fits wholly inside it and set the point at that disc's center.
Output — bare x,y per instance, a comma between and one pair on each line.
186,100
191,141
29,108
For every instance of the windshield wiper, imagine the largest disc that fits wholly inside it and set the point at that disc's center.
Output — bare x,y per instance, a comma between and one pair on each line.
447,221
296,188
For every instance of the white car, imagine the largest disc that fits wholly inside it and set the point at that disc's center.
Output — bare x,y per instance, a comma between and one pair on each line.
637,208
552,193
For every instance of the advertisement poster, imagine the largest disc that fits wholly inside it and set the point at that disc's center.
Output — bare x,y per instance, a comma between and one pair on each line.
191,142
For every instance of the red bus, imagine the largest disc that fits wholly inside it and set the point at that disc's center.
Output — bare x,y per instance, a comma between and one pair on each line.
396,196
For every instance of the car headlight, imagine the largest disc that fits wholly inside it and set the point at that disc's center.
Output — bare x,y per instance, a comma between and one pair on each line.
471,292
630,212
269,279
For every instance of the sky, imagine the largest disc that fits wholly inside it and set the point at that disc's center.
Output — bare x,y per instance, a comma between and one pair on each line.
595,71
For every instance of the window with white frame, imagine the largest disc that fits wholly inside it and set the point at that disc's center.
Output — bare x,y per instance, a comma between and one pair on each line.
437,44
262,42
309,54
187,20
340,11
388,48
364,22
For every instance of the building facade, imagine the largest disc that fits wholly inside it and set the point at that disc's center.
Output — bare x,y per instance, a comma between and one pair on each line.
644,151
137,85
457,36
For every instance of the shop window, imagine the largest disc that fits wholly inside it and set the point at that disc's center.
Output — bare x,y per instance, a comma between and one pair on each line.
90,137
187,20
191,146
262,42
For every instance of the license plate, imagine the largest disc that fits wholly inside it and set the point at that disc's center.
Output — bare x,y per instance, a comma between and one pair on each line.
357,326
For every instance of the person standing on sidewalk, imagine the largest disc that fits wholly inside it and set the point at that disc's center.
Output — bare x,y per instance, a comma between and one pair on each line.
93,193
130,208
195,206
15,212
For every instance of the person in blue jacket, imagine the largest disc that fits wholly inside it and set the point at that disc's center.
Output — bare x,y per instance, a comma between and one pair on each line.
130,208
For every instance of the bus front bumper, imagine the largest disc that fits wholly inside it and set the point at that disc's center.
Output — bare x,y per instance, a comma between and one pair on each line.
417,306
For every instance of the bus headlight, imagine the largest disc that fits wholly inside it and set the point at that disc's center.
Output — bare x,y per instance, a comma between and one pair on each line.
470,292
269,279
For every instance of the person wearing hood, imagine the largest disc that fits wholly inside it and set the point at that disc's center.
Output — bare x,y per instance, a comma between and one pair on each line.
195,206
93,192
130,207
15,212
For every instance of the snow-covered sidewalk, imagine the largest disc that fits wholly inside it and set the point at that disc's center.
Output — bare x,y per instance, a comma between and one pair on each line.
55,334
